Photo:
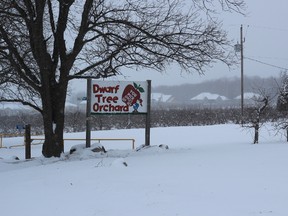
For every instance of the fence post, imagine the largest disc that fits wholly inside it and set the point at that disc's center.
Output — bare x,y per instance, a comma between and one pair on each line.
1,141
28,141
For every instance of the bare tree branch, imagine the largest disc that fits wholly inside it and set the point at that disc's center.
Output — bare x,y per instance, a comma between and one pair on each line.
45,43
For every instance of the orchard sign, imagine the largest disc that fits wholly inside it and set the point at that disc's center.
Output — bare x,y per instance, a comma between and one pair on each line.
118,97
122,97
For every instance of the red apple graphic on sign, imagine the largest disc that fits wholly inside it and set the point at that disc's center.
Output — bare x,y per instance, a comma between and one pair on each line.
131,95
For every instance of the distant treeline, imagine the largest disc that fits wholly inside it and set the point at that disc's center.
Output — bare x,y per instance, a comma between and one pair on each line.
75,122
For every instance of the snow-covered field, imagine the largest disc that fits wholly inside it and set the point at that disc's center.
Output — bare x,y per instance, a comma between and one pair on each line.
207,171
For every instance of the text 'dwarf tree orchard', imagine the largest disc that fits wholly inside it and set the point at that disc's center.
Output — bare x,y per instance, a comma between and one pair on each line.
118,97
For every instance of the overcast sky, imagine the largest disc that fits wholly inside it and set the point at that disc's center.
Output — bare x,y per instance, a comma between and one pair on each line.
265,28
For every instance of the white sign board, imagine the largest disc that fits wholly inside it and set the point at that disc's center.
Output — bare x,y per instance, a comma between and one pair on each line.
118,97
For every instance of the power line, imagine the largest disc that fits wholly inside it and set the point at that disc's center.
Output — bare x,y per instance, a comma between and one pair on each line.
264,63
270,58
269,28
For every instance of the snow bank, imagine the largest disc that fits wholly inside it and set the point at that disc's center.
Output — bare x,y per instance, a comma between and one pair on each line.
207,171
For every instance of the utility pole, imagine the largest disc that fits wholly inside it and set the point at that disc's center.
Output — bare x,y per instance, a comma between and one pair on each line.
242,75
239,48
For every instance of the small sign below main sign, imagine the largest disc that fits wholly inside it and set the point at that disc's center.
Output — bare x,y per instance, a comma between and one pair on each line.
119,97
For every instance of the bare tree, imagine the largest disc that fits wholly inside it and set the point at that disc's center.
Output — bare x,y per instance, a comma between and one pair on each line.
46,43
282,105
282,100
255,114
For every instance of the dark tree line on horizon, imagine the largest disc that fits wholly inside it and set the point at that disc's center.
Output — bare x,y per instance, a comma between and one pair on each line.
75,122
228,87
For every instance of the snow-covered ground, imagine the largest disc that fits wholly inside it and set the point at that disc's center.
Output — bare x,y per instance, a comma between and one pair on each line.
207,171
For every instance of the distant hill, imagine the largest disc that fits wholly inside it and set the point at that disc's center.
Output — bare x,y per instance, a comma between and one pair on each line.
228,87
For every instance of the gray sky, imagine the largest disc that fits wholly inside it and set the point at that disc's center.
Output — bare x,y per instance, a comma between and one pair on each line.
265,29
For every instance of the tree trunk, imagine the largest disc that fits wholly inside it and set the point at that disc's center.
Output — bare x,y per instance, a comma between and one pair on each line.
53,144
256,135
53,119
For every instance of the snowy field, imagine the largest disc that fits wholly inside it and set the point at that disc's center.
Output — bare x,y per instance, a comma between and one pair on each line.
207,171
